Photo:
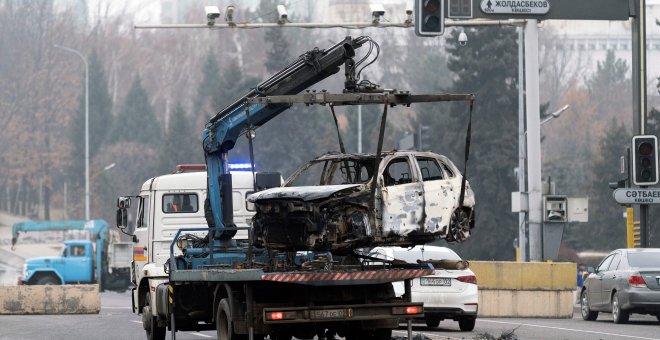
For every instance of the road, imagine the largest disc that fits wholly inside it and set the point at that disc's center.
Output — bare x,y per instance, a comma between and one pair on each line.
117,322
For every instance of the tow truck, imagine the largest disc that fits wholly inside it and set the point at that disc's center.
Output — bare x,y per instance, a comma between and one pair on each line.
244,289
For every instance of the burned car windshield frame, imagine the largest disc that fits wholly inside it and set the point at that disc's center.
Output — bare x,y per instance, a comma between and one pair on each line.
335,171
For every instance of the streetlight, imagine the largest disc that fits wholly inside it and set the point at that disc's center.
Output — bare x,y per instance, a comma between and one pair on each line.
86,124
522,234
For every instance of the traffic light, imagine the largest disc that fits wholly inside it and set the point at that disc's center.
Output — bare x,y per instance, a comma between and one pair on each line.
429,17
645,160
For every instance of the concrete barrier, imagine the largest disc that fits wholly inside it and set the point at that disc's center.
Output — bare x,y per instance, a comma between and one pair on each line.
525,289
50,299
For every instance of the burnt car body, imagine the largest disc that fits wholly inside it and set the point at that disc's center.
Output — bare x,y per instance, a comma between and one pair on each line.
626,281
329,203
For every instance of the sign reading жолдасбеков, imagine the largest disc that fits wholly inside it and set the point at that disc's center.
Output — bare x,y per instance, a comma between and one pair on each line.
539,7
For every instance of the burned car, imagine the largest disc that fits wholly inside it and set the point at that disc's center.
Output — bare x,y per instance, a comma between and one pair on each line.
339,202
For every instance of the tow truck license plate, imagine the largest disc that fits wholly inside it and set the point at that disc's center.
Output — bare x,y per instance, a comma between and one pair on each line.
328,314
434,281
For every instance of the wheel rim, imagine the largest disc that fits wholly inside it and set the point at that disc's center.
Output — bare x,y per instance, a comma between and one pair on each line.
585,304
615,308
459,228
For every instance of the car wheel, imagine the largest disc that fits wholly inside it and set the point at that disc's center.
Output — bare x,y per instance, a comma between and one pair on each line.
618,315
587,313
459,226
466,323
432,322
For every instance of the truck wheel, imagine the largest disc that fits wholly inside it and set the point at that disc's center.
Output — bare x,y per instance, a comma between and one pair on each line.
48,280
466,323
432,322
149,322
223,325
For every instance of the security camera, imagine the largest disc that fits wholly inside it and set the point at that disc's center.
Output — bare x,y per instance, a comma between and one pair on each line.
212,13
409,14
377,10
281,14
462,38
229,14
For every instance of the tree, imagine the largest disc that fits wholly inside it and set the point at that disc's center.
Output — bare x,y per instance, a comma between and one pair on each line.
180,145
136,122
494,145
100,117
606,228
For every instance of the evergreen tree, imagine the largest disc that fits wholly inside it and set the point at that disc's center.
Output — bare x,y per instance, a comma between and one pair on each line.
487,68
181,145
278,55
606,227
209,89
100,118
136,122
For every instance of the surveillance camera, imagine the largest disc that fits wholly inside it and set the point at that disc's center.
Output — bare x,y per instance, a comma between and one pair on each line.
377,10
409,8
212,12
229,13
462,39
281,14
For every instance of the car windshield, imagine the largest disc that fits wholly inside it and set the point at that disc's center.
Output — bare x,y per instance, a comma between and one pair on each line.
334,172
644,259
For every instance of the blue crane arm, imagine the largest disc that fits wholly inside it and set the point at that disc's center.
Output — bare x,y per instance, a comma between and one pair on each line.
222,131
99,227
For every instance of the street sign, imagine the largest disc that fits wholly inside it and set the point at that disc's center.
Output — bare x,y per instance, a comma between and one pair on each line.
549,9
637,196
521,7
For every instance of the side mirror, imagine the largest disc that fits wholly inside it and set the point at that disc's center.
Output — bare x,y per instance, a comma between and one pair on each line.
123,202
591,270
122,218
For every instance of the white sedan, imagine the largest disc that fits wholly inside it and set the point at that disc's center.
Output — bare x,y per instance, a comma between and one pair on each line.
448,293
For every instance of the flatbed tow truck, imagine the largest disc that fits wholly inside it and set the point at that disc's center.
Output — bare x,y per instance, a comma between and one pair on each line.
248,292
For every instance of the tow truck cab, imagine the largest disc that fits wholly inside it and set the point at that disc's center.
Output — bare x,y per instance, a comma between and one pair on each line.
168,203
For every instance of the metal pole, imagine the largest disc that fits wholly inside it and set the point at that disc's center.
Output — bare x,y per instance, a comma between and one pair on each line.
639,99
522,221
86,125
359,129
533,140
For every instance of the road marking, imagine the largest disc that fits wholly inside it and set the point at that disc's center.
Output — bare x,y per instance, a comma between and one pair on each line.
140,322
569,329
202,335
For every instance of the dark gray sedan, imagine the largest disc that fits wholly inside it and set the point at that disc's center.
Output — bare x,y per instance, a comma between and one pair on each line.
626,281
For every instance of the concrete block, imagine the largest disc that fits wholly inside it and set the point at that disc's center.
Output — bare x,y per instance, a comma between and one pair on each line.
50,299
526,303
525,275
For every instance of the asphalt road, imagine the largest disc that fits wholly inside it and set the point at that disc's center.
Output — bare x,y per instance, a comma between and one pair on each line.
117,322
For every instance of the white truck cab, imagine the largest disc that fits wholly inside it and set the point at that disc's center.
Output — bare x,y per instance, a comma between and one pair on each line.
166,204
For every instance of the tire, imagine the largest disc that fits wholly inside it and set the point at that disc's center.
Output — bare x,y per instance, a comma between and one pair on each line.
47,280
432,322
459,226
150,323
223,326
466,323
587,313
618,315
